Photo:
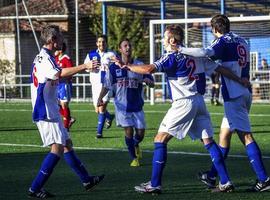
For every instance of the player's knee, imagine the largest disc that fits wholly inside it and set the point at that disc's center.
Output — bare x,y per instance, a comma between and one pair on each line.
162,138
57,149
246,138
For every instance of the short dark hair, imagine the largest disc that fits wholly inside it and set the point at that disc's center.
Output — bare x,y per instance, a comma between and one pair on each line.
221,23
49,33
64,47
176,32
102,36
125,39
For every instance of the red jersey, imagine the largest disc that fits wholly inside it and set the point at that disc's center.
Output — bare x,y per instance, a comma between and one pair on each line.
64,62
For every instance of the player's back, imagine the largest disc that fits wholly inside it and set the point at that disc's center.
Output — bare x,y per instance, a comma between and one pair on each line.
232,52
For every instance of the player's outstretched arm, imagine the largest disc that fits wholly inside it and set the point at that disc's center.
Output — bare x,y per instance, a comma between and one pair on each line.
228,73
197,52
142,69
66,72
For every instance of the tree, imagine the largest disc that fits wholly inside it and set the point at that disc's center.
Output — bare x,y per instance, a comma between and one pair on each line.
122,23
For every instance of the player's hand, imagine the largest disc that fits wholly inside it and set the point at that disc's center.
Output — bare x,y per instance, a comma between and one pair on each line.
93,65
117,61
245,82
100,103
149,82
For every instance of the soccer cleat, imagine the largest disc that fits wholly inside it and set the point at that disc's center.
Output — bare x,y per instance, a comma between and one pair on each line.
147,188
42,194
227,187
71,122
95,180
209,181
108,122
138,152
135,163
260,186
217,103
99,136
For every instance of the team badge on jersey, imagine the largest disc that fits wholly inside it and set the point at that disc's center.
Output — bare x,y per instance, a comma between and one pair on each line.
118,72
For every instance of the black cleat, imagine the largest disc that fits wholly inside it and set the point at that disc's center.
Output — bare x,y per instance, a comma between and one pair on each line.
108,122
42,194
260,186
95,180
210,182
99,136
228,187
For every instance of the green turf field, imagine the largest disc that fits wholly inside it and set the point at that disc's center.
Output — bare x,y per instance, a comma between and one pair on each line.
21,156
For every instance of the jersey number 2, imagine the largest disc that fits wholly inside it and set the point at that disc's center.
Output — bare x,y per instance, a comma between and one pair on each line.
191,64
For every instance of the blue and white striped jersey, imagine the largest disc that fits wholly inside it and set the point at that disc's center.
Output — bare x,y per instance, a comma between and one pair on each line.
98,75
185,74
127,88
44,81
232,52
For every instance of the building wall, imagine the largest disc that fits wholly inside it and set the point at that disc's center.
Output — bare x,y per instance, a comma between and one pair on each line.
7,52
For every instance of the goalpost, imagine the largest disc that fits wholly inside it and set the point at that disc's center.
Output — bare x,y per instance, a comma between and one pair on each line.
255,29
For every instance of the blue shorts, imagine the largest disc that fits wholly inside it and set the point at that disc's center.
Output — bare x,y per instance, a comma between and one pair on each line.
64,92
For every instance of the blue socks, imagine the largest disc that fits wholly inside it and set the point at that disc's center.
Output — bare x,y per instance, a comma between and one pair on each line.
137,139
108,115
158,163
77,166
101,121
255,159
213,172
218,161
46,170
131,147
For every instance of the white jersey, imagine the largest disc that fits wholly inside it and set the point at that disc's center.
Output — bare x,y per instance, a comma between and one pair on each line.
44,81
185,74
97,76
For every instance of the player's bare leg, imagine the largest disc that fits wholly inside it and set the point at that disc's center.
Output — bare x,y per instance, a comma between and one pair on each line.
255,158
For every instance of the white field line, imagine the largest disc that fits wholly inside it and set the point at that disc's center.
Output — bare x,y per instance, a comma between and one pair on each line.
124,150
147,111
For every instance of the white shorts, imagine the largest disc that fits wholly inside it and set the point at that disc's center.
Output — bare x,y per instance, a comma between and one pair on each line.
236,112
126,119
188,116
96,89
52,132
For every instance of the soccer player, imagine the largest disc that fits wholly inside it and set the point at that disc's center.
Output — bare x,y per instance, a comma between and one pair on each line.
215,89
44,81
64,87
127,88
188,113
102,55
233,53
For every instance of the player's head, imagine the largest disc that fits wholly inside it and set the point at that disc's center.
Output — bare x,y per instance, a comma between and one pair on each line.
52,37
60,52
125,47
173,36
101,42
220,25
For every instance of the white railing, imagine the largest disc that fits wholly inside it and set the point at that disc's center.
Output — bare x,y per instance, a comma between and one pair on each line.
82,88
